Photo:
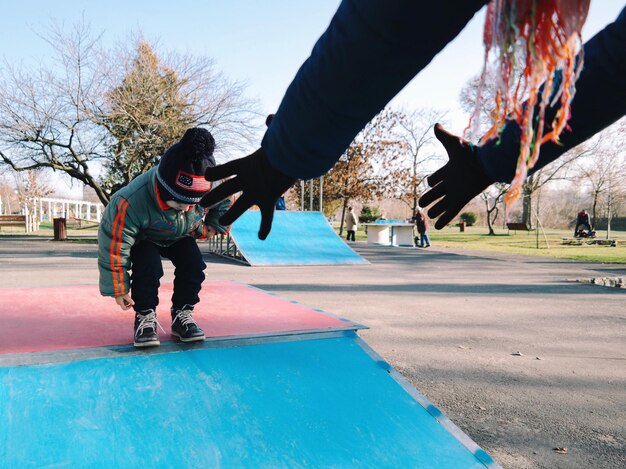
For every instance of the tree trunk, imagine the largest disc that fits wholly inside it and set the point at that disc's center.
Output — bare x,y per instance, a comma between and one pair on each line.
489,225
102,196
505,218
527,210
594,208
609,213
488,213
527,203
343,216
492,220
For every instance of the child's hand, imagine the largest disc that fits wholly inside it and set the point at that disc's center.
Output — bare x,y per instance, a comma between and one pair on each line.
210,232
125,301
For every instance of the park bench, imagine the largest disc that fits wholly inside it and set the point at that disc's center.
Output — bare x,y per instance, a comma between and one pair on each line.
517,227
14,220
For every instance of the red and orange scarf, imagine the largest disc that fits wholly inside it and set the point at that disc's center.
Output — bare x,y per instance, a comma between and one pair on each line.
549,31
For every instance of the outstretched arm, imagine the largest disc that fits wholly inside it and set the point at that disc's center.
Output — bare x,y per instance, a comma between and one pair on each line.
600,100
369,52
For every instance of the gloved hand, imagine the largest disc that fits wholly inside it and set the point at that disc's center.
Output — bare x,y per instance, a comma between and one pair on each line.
259,183
457,182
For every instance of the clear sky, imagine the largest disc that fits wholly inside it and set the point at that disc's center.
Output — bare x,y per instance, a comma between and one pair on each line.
260,42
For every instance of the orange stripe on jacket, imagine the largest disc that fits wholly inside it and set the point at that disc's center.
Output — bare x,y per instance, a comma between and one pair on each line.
119,250
115,248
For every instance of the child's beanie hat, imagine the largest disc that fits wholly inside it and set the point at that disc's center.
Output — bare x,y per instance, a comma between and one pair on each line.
180,173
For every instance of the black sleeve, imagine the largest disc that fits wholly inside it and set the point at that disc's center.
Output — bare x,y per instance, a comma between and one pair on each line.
600,100
370,51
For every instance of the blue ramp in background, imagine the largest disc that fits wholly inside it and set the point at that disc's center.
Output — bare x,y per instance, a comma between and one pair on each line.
297,238
325,402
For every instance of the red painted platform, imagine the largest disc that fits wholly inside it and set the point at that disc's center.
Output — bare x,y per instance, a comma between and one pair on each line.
62,318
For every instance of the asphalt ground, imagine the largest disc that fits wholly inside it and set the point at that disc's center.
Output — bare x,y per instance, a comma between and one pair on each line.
513,349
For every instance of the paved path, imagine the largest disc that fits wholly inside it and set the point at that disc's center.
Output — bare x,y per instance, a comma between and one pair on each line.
453,323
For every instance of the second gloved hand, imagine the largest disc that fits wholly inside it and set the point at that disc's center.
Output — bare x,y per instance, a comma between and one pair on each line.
457,182
259,183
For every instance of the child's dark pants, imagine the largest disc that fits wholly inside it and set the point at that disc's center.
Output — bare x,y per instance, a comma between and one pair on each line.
147,271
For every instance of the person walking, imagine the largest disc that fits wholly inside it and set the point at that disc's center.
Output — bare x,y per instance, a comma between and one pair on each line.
351,225
421,223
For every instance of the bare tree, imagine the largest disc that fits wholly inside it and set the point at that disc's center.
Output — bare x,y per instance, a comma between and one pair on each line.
562,169
365,171
59,115
492,197
31,184
415,133
8,195
481,111
604,173
44,120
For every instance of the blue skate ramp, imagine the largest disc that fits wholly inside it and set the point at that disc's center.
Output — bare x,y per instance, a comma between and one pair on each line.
316,402
297,238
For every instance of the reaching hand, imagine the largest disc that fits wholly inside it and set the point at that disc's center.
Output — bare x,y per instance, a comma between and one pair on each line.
124,301
259,183
457,182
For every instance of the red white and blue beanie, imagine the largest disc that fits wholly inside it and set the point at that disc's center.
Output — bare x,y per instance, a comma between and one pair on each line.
180,173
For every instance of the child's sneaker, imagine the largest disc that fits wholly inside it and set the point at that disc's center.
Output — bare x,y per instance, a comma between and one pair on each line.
183,325
146,329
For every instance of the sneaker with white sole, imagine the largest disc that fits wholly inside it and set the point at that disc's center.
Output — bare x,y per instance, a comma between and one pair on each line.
184,327
146,329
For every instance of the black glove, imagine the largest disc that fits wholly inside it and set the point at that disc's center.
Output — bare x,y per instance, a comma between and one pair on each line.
259,183
457,182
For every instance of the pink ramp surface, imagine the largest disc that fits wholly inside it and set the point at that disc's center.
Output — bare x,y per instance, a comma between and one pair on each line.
61,318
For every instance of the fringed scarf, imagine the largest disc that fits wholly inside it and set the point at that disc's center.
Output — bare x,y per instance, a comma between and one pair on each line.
549,31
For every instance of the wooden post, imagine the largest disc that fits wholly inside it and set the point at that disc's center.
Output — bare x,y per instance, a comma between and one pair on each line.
60,229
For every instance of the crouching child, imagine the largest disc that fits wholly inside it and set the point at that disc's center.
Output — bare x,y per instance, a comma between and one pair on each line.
157,215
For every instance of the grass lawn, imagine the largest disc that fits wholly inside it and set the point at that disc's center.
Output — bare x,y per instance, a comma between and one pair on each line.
547,244
528,243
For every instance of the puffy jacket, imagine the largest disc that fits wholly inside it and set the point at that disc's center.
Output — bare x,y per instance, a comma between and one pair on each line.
137,213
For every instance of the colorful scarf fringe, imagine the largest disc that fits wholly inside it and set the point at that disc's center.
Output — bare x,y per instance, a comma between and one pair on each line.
550,33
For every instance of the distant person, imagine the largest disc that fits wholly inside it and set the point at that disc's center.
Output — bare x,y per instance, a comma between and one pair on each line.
351,225
422,225
157,215
582,222
330,100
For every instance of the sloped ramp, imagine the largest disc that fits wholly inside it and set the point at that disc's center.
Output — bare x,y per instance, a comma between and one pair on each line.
314,397
301,403
297,238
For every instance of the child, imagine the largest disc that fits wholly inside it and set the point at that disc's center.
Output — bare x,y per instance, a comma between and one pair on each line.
155,216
